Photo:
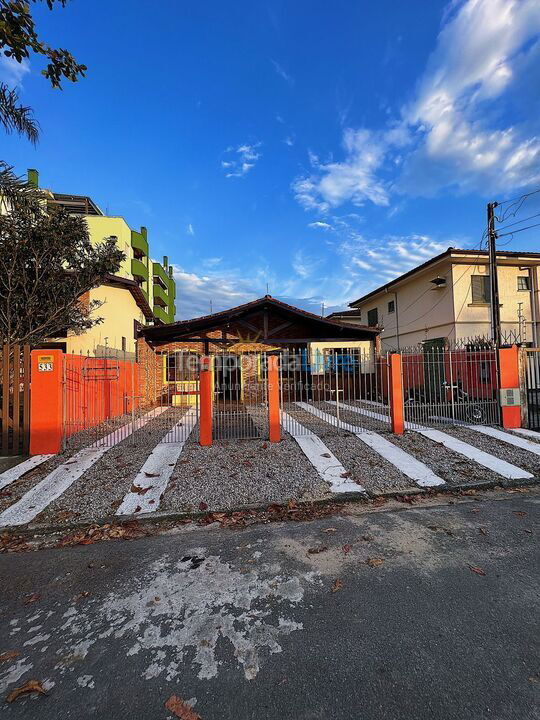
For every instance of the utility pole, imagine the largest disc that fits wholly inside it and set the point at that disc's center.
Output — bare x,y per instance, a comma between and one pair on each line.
493,278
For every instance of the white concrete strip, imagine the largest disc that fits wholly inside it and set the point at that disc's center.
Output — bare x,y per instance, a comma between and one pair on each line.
501,467
528,433
507,438
14,473
156,472
323,460
125,431
405,463
361,411
61,478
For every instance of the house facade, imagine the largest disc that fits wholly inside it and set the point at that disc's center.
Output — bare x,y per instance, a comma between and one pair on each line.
142,292
238,341
448,297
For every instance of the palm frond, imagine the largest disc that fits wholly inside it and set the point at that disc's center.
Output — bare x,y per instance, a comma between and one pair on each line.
16,117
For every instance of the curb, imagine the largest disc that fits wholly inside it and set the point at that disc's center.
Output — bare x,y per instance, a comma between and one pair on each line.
339,501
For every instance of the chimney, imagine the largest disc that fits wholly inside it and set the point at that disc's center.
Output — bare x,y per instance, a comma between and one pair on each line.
144,232
165,262
33,178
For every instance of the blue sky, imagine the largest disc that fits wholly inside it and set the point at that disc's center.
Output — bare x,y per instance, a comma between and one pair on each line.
320,148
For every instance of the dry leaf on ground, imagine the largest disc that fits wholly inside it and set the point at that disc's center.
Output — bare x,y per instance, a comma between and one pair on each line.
9,655
374,561
338,585
140,490
28,687
316,550
347,548
329,530
34,597
181,709
482,531
477,570
519,513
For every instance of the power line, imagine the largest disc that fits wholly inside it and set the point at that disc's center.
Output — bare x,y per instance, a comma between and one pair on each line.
518,230
518,222
514,201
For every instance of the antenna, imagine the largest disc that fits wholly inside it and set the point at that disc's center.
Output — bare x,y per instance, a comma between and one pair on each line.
322,309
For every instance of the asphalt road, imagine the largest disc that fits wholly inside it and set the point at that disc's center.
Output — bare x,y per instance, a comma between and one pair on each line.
250,624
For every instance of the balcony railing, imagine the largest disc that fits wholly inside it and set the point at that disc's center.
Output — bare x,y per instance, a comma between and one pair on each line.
139,269
161,314
160,275
160,296
138,242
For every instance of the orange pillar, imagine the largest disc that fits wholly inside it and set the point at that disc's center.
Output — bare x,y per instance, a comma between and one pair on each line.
46,411
274,423
205,397
509,375
395,382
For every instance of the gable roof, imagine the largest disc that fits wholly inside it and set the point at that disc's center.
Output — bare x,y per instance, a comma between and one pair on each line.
185,328
449,252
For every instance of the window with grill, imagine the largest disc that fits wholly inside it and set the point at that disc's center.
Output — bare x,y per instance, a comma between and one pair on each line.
523,282
182,367
481,292
392,306
373,317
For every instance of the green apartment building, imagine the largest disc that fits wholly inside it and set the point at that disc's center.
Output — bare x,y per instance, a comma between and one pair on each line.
142,292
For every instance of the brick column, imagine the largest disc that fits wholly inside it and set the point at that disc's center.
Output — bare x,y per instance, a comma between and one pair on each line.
509,375
395,382
46,407
274,421
205,396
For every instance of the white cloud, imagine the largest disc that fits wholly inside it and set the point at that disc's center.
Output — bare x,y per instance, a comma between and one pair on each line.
241,159
282,73
13,72
190,230
289,140
320,225
304,265
453,134
471,68
352,180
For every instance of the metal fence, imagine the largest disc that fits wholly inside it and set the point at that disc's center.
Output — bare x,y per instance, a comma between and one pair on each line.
14,399
333,390
532,382
445,385
240,406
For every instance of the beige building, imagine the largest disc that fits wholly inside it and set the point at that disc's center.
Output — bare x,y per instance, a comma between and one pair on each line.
449,297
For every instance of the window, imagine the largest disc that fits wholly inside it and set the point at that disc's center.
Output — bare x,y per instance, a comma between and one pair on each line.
392,306
182,366
373,317
480,288
523,282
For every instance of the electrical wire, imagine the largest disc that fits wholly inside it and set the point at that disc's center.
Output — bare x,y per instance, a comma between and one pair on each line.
518,230
514,201
518,222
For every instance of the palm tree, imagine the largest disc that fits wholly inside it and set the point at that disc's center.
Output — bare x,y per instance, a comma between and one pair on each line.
17,117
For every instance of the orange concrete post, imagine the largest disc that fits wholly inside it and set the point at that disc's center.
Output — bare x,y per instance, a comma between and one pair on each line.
274,422
509,376
46,410
395,382
205,398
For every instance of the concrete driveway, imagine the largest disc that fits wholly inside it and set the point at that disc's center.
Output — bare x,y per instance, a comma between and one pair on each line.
407,613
